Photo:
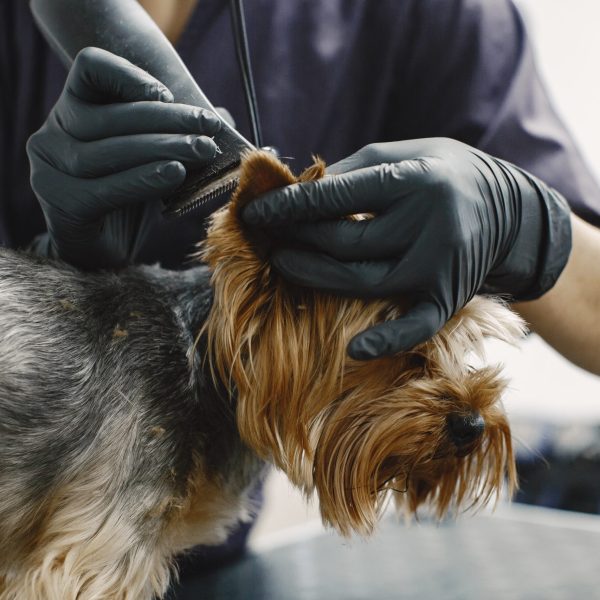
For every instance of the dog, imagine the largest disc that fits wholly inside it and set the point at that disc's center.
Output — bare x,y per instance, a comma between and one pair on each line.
138,409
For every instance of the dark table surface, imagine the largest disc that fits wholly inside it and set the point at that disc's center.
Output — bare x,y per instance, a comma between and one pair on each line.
520,552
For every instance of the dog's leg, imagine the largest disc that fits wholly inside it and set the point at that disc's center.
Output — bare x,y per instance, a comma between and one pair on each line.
99,539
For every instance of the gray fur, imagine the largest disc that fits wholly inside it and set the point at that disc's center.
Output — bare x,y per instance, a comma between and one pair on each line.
104,367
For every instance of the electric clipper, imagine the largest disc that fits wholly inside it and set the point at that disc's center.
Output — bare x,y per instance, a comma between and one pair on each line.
124,28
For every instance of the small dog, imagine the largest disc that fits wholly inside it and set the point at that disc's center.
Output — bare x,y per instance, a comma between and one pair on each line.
138,409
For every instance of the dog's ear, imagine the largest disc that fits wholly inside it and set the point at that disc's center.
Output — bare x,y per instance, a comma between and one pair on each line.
314,171
263,172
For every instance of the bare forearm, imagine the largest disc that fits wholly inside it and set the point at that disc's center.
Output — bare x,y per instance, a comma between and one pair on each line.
568,316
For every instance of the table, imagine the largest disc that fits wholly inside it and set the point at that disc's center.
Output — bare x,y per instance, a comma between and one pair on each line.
519,553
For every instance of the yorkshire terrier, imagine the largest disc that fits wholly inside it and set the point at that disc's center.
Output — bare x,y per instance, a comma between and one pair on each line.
138,409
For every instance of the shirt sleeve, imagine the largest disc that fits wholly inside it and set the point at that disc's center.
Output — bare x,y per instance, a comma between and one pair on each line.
487,92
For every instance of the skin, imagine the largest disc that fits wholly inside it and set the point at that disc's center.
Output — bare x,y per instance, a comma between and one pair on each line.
567,315
171,16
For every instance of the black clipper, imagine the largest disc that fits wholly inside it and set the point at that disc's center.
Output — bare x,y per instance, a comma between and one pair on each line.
124,28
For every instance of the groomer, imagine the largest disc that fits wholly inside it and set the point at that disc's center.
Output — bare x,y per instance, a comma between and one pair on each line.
455,77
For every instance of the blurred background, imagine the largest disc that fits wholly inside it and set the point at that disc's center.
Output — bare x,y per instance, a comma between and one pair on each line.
554,406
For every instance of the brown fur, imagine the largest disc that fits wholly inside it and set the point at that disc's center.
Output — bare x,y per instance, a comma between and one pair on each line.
353,432
350,430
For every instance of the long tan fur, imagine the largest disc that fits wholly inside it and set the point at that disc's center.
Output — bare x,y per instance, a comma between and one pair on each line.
350,430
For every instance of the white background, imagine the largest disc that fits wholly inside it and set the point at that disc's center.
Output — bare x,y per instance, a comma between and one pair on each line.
566,35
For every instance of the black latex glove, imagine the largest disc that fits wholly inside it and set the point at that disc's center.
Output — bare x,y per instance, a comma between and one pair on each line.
448,219
114,142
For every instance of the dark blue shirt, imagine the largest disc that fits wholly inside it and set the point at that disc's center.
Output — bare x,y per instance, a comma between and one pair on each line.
331,76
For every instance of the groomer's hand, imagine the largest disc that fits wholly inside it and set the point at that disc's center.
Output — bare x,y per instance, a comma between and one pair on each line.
114,142
447,220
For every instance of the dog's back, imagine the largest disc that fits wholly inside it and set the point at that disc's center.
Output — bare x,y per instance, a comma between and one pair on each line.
100,421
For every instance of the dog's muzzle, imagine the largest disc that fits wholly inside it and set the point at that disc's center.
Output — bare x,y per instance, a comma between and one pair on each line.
465,429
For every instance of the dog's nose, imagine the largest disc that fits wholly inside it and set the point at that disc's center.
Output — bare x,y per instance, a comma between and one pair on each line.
465,428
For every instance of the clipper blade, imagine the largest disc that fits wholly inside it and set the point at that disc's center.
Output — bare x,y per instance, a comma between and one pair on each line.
204,200
207,189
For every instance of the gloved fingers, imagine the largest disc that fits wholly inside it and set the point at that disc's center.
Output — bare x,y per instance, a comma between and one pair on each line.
113,155
88,122
386,152
139,184
355,161
320,271
418,325
349,240
100,76
372,190
90,200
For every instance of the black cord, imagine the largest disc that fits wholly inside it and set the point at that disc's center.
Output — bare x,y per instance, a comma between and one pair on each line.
238,25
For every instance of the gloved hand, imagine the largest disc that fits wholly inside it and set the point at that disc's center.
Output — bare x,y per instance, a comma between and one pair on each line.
114,142
450,221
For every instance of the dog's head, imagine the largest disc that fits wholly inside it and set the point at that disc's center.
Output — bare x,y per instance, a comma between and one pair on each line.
423,425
